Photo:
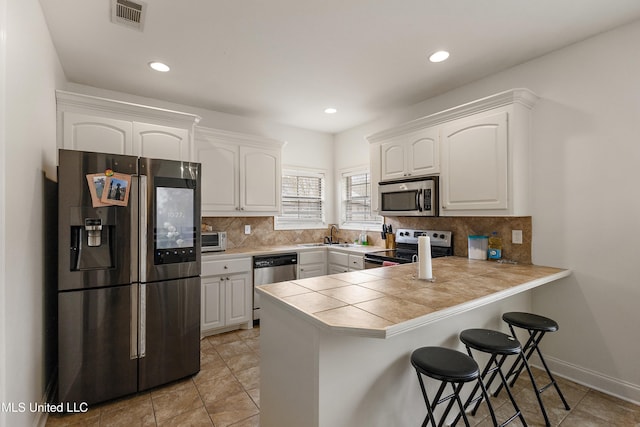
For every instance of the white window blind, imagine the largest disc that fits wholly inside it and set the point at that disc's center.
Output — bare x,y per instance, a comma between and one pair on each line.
356,201
302,200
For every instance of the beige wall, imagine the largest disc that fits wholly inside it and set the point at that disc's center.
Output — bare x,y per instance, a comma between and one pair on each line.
585,211
32,73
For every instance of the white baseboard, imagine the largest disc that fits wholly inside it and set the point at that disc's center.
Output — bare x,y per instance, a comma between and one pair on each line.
613,386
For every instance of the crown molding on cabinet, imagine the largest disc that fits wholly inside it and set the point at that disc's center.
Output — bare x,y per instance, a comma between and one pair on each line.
71,101
236,137
522,96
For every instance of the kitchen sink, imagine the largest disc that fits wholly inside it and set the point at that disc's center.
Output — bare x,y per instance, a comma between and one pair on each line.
312,245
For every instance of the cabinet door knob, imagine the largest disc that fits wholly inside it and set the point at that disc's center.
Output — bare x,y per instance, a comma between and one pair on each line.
226,268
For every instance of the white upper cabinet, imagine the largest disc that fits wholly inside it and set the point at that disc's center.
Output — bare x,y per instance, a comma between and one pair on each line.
90,123
220,175
241,174
85,132
479,149
475,164
260,179
161,142
409,156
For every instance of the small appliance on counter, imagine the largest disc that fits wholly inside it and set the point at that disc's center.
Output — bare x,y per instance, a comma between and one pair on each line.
407,248
214,241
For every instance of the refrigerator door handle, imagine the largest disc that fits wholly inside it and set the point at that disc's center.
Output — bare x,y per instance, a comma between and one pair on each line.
135,229
133,323
142,238
142,325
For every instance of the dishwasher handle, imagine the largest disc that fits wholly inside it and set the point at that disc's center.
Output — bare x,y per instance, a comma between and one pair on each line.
264,261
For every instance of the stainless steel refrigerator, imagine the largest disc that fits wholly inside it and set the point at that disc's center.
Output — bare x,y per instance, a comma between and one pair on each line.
128,274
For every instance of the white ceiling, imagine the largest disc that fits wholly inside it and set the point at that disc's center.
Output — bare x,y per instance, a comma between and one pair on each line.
286,60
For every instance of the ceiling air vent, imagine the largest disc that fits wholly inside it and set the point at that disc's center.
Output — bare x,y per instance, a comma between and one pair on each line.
128,13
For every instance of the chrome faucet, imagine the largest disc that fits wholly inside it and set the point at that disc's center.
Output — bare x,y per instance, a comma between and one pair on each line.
333,227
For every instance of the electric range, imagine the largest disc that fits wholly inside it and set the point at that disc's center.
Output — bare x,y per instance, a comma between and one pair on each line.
406,250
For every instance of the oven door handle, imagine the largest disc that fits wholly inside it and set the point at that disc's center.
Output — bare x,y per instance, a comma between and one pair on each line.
372,263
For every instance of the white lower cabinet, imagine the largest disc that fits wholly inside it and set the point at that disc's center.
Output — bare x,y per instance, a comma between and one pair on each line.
312,263
227,294
342,262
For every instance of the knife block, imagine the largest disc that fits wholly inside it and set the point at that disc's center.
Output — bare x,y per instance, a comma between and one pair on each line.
390,241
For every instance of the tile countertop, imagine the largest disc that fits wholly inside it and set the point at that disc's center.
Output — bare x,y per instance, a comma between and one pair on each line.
387,301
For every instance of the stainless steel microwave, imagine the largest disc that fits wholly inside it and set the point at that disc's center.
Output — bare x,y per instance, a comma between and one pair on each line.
213,241
415,197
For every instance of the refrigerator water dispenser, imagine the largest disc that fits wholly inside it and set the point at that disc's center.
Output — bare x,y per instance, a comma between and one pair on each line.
92,239
93,227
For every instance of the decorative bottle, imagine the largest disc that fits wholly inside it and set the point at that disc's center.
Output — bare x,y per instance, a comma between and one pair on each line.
494,250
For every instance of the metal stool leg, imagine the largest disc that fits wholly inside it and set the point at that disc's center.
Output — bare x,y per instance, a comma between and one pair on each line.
498,345
553,380
535,337
429,416
452,398
493,367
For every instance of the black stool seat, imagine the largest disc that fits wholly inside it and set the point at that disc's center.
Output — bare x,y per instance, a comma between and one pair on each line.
530,321
489,341
445,364
450,367
536,326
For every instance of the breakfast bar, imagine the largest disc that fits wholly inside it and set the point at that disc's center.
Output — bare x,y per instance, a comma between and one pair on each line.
335,349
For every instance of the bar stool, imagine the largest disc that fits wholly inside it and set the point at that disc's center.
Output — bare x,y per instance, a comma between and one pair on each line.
449,367
536,326
499,346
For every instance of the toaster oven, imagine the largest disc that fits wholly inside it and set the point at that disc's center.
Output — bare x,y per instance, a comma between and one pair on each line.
214,241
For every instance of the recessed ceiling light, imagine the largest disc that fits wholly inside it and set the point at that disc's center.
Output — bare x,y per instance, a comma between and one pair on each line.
439,56
159,66
330,110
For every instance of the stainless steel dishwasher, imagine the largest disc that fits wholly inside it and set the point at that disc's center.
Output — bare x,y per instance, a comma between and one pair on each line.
272,269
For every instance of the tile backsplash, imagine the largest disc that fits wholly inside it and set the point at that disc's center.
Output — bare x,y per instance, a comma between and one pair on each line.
462,227
263,234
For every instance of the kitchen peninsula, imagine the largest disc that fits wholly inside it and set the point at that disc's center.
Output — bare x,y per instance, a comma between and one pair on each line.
335,349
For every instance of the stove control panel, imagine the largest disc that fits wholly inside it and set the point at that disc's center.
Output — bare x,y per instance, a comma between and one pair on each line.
437,238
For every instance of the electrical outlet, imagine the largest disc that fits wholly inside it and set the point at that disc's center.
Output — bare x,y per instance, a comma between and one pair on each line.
247,229
516,237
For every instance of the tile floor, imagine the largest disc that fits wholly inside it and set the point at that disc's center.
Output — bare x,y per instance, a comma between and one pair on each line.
226,394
